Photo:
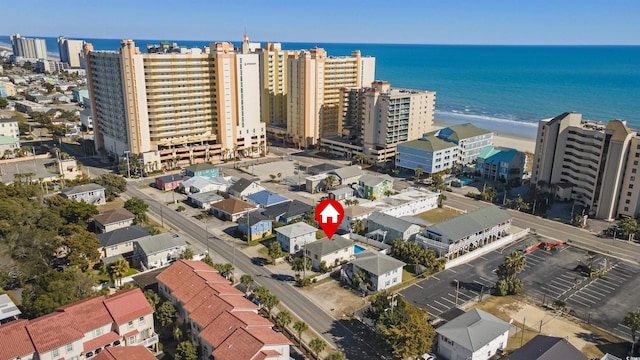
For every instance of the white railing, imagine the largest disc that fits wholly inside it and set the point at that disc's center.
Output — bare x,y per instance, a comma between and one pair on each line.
150,341
485,249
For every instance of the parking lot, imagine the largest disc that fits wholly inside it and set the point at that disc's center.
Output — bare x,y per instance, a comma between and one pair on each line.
558,274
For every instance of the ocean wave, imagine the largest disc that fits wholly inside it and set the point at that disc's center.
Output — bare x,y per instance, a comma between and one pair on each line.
495,124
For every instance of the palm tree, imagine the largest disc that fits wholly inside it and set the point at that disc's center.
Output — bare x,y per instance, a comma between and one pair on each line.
269,301
330,180
117,270
418,172
336,355
283,318
360,158
632,320
515,263
300,327
317,345
357,226
297,265
247,280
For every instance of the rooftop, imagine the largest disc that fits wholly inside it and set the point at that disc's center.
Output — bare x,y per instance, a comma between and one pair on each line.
161,242
7,307
253,218
232,206
200,167
240,185
325,246
464,225
296,229
127,305
122,235
267,198
474,329
389,222
544,347
113,216
349,171
322,168
373,180
80,189
135,352
376,263
14,340
461,132
428,142
495,156
287,209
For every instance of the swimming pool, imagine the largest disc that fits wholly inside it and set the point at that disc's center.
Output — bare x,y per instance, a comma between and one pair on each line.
358,249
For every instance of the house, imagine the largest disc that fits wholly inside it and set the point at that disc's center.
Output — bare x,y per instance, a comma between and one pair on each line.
203,200
315,183
230,209
348,175
294,236
332,252
223,323
135,352
113,219
322,168
474,335
287,211
244,187
203,169
429,153
8,144
8,310
375,187
119,242
89,193
198,184
158,250
255,225
474,229
82,329
342,194
61,98
382,271
505,165
387,228
544,347
86,119
266,198
353,213
168,182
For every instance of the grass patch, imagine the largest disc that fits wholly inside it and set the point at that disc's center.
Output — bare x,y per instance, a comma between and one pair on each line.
320,234
131,271
407,276
438,215
263,241
117,203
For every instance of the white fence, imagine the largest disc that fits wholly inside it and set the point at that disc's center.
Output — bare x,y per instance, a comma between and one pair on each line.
485,249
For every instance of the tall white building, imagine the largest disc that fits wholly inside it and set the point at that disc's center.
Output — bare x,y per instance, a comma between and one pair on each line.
71,52
29,48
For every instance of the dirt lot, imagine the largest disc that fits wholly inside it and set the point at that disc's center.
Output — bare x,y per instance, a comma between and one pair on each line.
336,300
591,341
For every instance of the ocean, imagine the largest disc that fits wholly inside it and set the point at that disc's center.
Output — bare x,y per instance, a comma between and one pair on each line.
502,88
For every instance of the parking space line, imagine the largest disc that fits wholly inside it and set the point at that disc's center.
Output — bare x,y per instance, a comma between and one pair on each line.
559,288
579,302
608,291
465,295
581,292
563,280
483,258
487,280
551,291
435,277
445,299
577,295
613,285
436,309
419,286
453,271
441,304
565,275
615,277
593,289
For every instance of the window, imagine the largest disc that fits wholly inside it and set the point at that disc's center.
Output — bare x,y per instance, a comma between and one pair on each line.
141,320
132,339
69,347
97,332
630,186
55,352
130,324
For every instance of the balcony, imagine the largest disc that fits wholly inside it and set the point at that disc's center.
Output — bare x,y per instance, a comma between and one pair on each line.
149,342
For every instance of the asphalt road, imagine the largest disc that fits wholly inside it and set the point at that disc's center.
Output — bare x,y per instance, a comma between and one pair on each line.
339,333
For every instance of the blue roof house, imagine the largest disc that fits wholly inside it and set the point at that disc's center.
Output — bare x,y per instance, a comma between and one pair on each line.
256,225
266,198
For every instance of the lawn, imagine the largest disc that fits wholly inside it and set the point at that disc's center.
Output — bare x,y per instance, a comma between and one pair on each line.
438,215
117,203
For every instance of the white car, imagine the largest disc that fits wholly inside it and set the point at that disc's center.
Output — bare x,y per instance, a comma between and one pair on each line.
428,356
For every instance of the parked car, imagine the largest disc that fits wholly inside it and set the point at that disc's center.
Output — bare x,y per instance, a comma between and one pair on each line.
428,356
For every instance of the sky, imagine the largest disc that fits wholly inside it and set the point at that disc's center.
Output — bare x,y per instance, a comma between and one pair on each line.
509,22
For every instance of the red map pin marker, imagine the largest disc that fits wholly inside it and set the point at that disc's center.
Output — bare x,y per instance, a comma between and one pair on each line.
329,215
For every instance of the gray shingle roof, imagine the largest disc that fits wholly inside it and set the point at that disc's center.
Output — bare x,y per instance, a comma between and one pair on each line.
428,143
348,172
157,243
389,222
372,180
296,229
81,189
462,226
376,263
254,218
123,235
341,191
322,168
325,246
287,209
544,347
240,185
463,131
474,329
206,197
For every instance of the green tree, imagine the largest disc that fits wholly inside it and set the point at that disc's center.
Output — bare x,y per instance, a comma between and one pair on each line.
628,226
300,327
418,172
73,212
177,333
247,280
138,208
336,355
317,345
269,301
261,292
274,250
3,103
330,181
358,227
509,283
207,260
113,185
166,314
632,321
186,351
224,269
79,246
283,318
117,270
187,254
153,298
299,264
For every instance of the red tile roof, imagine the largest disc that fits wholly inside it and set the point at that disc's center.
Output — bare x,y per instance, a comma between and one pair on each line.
188,290
89,314
251,319
268,336
199,299
113,216
239,302
127,305
46,331
14,340
209,310
136,352
226,289
175,276
100,341
248,343
264,354
220,328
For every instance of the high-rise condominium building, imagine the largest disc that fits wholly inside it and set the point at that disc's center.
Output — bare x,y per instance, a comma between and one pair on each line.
176,108
374,119
593,163
71,52
314,81
29,48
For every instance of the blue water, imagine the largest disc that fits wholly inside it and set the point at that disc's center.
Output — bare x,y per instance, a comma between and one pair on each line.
514,83
358,249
